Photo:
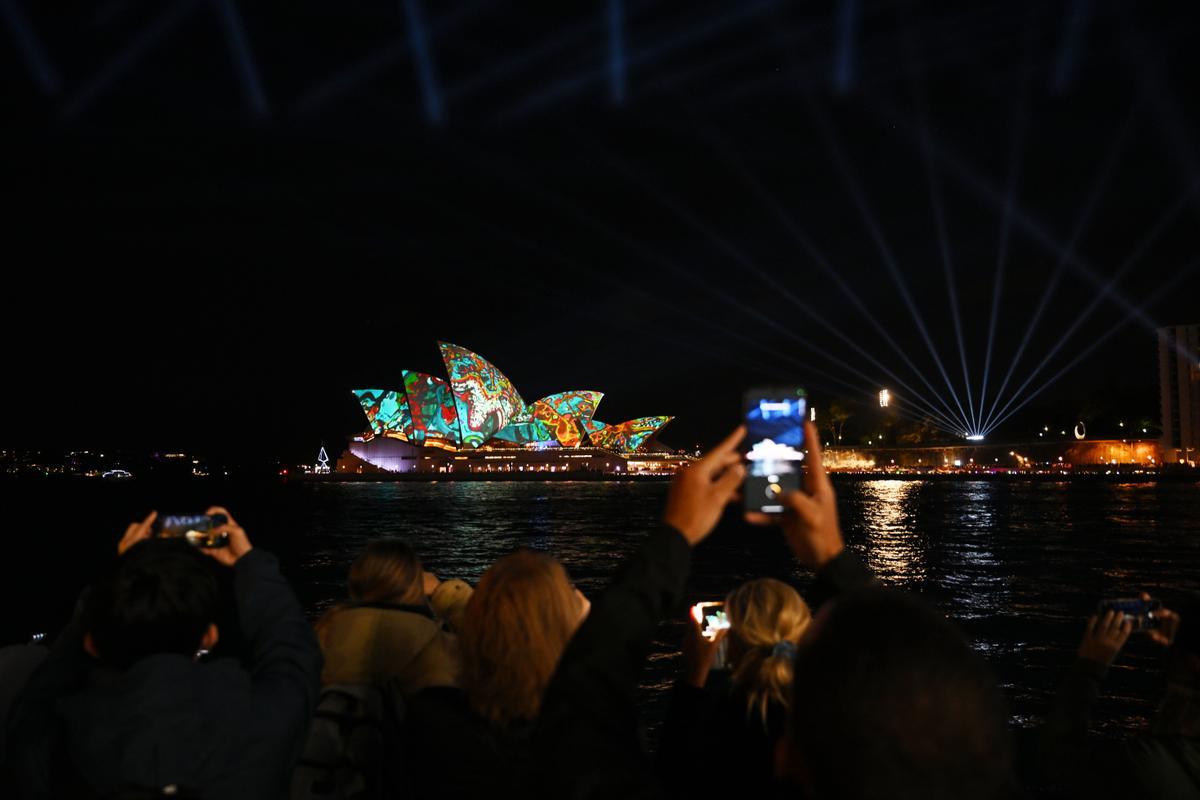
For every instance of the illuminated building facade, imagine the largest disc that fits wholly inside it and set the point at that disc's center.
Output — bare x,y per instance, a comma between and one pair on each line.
477,415
1179,391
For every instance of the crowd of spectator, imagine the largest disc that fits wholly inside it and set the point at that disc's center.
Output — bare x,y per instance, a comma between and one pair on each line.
192,672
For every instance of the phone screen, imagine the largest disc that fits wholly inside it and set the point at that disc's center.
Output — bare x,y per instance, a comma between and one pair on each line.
1135,610
195,528
774,446
711,617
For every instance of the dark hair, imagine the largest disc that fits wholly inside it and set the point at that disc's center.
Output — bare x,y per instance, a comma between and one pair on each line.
161,598
890,700
386,571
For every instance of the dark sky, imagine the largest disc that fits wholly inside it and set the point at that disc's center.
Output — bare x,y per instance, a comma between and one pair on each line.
191,264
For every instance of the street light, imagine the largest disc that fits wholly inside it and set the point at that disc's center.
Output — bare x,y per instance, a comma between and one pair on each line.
885,397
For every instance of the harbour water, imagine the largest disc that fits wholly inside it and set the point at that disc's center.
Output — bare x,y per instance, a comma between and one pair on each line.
1018,564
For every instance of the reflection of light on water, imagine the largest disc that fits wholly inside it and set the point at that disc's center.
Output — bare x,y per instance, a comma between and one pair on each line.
894,548
979,586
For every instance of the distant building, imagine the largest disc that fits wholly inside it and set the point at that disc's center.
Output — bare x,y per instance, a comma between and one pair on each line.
1179,388
476,421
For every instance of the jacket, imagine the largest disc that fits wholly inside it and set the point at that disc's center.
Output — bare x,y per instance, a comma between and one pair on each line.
452,752
219,729
1147,766
710,738
375,644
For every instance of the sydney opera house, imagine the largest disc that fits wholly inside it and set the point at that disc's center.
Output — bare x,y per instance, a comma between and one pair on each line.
476,421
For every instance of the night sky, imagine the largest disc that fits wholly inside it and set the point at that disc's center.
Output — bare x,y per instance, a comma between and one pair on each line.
190,262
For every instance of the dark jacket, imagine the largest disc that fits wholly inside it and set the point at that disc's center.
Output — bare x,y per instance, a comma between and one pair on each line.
212,729
452,752
588,741
1147,766
710,738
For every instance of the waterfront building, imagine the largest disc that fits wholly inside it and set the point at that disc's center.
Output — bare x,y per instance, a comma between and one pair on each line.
476,421
1179,390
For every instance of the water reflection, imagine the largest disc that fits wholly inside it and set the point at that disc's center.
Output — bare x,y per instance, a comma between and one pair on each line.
895,552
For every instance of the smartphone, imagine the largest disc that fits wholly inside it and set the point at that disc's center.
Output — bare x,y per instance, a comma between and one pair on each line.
774,445
1134,609
197,529
711,617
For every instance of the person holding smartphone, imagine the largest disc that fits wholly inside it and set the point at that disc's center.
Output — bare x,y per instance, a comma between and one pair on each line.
127,704
740,710
889,699
587,734
1164,761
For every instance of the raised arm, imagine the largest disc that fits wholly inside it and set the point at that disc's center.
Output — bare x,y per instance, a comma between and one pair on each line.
587,740
284,657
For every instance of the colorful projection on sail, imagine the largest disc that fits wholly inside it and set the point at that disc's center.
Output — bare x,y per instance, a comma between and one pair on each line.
630,435
387,413
533,432
485,399
431,405
578,403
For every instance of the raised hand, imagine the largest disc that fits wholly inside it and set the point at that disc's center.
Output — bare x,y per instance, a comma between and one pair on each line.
809,521
1166,625
1104,636
136,532
238,543
698,651
700,491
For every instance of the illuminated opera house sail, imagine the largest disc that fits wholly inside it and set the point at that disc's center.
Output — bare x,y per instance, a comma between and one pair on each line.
477,411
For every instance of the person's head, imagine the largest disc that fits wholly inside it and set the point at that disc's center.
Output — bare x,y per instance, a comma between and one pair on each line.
387,571
766,619
516,626
889,700
163,597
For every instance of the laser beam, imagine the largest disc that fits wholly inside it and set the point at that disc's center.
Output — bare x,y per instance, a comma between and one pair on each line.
1165,220
1081,222
876,233
736,164
1160,292
1016,149
939,216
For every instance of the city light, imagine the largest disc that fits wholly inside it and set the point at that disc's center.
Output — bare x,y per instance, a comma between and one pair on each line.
975,437
885,397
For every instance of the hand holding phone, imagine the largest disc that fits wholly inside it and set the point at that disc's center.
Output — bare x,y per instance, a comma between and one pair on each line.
711,619
774,446
1141,613
700,491
810,521
1104,636
704,642
198,530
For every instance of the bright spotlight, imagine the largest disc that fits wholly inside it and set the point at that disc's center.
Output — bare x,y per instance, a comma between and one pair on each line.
885,398
975,437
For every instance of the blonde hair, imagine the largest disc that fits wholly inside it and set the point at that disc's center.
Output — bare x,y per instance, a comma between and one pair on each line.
763,613
516,626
